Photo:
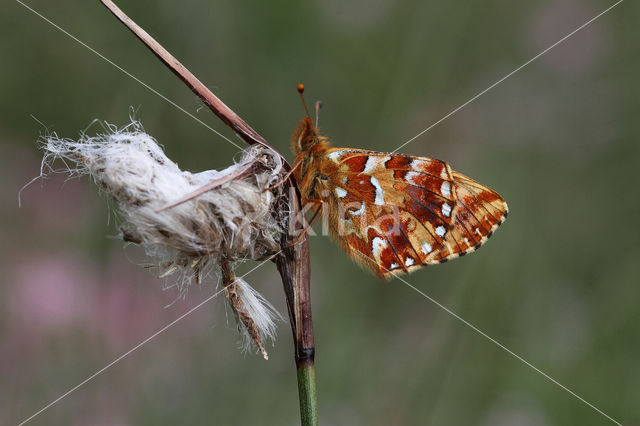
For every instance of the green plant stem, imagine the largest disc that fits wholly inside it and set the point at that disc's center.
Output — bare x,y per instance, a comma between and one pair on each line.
307,393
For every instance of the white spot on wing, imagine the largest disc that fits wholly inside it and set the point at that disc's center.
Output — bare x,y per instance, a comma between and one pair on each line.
440,231
379,192
335,155
418,164
445,189
374,162
446,209
443,173
340,192
394,266
426,248
408,261
411,177
377,245
359,211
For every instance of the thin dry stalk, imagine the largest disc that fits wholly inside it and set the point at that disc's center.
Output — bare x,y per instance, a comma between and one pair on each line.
293,261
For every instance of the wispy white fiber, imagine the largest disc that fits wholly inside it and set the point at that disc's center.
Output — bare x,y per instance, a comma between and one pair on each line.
234,220
262,312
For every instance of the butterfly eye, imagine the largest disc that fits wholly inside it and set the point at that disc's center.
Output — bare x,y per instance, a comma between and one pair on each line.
305,136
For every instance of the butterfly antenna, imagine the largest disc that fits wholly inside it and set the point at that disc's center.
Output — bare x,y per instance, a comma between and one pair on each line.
318,106
301,91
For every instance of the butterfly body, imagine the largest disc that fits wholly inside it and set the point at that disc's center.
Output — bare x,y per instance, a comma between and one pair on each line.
394,213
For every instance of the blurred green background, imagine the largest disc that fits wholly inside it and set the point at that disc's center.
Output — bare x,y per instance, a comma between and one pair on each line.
557,284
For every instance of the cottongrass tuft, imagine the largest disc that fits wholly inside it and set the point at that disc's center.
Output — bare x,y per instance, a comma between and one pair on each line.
255,316
186,234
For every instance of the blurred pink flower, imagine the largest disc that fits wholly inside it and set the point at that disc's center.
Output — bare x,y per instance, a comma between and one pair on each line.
49,291
132,305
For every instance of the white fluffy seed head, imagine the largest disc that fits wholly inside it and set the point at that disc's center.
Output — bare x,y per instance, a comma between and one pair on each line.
234,219
262,312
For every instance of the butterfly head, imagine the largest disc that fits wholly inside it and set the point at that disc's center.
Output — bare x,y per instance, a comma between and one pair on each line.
304,137
306,134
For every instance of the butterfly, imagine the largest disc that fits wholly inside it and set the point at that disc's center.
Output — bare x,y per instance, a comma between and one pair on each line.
393,213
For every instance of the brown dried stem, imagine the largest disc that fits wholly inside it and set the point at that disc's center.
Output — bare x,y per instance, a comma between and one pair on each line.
218,107
231,291
293,261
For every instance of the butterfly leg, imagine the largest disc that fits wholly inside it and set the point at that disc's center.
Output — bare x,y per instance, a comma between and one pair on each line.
305,230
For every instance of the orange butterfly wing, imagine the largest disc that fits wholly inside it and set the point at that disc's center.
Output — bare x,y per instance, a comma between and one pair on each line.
396,213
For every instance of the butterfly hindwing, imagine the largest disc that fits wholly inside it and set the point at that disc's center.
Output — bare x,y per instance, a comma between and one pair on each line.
396,213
